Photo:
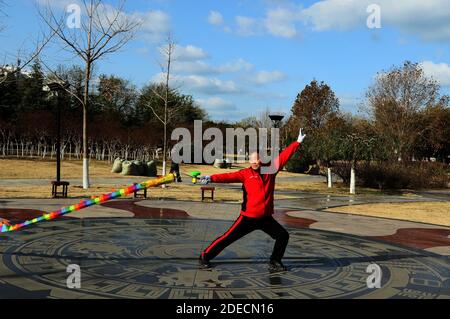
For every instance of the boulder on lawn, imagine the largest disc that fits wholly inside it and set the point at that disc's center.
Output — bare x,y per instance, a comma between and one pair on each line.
117,166
129,168
140,168
152,171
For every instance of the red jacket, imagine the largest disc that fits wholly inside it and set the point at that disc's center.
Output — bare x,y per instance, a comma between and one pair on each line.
258,188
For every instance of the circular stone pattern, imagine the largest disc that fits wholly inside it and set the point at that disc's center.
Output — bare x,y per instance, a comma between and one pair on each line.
153,258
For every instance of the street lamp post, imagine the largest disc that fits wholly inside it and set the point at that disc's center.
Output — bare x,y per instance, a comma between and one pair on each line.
276,119
58,87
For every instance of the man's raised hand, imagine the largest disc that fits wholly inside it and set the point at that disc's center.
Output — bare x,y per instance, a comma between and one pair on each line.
301,136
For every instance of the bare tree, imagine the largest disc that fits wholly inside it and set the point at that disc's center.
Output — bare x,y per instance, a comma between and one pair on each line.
167,51
396,100
103,29
264,119
247,122
24,59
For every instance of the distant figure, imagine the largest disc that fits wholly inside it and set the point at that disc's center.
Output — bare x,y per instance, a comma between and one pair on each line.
175,169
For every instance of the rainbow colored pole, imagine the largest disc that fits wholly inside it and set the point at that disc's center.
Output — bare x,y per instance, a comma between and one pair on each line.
86,203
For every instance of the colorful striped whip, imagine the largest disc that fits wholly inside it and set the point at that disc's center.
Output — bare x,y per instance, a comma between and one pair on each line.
86,203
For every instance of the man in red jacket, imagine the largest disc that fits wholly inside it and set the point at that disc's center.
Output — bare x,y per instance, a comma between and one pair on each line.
257,207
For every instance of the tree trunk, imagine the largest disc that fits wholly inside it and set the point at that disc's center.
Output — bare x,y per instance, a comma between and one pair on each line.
352,180
86,183
329,177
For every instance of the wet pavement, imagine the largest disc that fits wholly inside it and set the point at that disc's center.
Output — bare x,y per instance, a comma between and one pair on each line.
156,258
135,248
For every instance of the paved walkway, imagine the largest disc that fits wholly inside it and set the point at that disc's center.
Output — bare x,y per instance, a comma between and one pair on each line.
130,180
306,205
134,248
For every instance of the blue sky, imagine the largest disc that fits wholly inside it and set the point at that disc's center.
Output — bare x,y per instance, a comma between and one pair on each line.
239,57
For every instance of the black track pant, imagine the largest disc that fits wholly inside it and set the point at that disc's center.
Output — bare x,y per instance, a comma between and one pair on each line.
245,225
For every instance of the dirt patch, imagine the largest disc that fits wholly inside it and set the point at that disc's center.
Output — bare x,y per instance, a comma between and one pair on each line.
434,213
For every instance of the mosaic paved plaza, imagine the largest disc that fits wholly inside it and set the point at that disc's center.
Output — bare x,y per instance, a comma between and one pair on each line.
146,249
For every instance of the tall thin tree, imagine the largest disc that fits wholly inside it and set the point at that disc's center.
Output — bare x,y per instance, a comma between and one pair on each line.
102,29
167,51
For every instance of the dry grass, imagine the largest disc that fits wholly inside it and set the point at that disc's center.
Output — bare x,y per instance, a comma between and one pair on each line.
426,212
172,191
45,169
435,213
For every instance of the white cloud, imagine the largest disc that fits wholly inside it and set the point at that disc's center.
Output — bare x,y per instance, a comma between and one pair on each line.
426,19
235,66
58,4
336,14
221,109
210,85
265,77
188,53
216,103
155,24
246,26
200,84
281,22
193,74
194,67
201,67
439,71
215,18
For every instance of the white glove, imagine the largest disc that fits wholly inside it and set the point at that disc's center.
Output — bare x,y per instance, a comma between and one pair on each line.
204,180
301,136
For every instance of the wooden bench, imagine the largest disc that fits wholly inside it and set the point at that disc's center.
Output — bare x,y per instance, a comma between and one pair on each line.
56,184
207,188
144,192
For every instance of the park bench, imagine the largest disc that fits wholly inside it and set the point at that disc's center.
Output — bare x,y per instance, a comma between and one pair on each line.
56,184
207,188
137,192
